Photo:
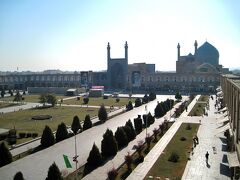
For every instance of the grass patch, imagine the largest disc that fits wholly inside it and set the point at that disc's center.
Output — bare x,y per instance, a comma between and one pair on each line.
22,120
5,104
163,168
99,101
31,98
198,109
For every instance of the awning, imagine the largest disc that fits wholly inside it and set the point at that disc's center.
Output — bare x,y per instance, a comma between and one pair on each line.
223,128
223,115
222,120
222,110
233,159
220,93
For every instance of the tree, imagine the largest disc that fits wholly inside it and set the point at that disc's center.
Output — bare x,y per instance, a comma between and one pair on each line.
10,92
2,93
76,125
18,97
87,122
132,134
43,99
138,124
5,155
109,145
47,138
145,99
121,137
54,173
18,176
152,96
138,102
102,113
85,100
51,99
178,96
95,158
62,132
129,106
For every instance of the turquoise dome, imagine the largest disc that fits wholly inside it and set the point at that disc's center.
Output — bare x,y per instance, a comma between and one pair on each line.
207,53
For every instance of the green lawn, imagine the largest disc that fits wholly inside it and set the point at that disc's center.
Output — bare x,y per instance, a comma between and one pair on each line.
21,120
5,104
30,98
99,101
198,109
166,169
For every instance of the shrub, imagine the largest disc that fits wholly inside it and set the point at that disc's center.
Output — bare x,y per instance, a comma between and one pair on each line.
145,99
129,106
62,132
22,135
54,173
183,139
102,113
152,96
139,148
148,140
105,97
178,96
85,100
121,137
87,122
78,98
138,102
95,158
76,125
112,174
47,138
174,157
138,124
188,127
18,176
132,134
117,100
5,155
28,135
34,135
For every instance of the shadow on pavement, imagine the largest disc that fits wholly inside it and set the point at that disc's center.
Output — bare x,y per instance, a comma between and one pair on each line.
224,159
224,170
224,140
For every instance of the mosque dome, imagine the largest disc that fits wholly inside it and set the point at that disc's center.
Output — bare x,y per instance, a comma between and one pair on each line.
207,53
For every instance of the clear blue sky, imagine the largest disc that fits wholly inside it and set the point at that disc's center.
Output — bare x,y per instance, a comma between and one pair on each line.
72,34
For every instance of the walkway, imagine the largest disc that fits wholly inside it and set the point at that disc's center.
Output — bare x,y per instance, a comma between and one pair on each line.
196,168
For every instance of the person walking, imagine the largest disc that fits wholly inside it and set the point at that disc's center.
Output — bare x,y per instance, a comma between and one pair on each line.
207,155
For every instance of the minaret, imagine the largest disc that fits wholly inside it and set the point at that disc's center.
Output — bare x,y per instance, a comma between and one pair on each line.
108,52
178,54
126,51
195,45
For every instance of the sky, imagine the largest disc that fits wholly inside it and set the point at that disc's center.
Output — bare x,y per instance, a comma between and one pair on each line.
72,35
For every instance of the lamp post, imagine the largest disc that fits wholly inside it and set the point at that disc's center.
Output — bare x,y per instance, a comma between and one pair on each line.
146,119
75,144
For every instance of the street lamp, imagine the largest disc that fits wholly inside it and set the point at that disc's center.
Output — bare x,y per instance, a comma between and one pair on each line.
146,119
75,138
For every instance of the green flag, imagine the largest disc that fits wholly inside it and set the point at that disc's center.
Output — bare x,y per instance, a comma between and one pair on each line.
67,162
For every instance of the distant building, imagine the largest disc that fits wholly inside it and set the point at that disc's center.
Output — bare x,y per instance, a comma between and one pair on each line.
194,72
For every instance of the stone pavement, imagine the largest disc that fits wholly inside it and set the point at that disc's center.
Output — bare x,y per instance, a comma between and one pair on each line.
196,168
